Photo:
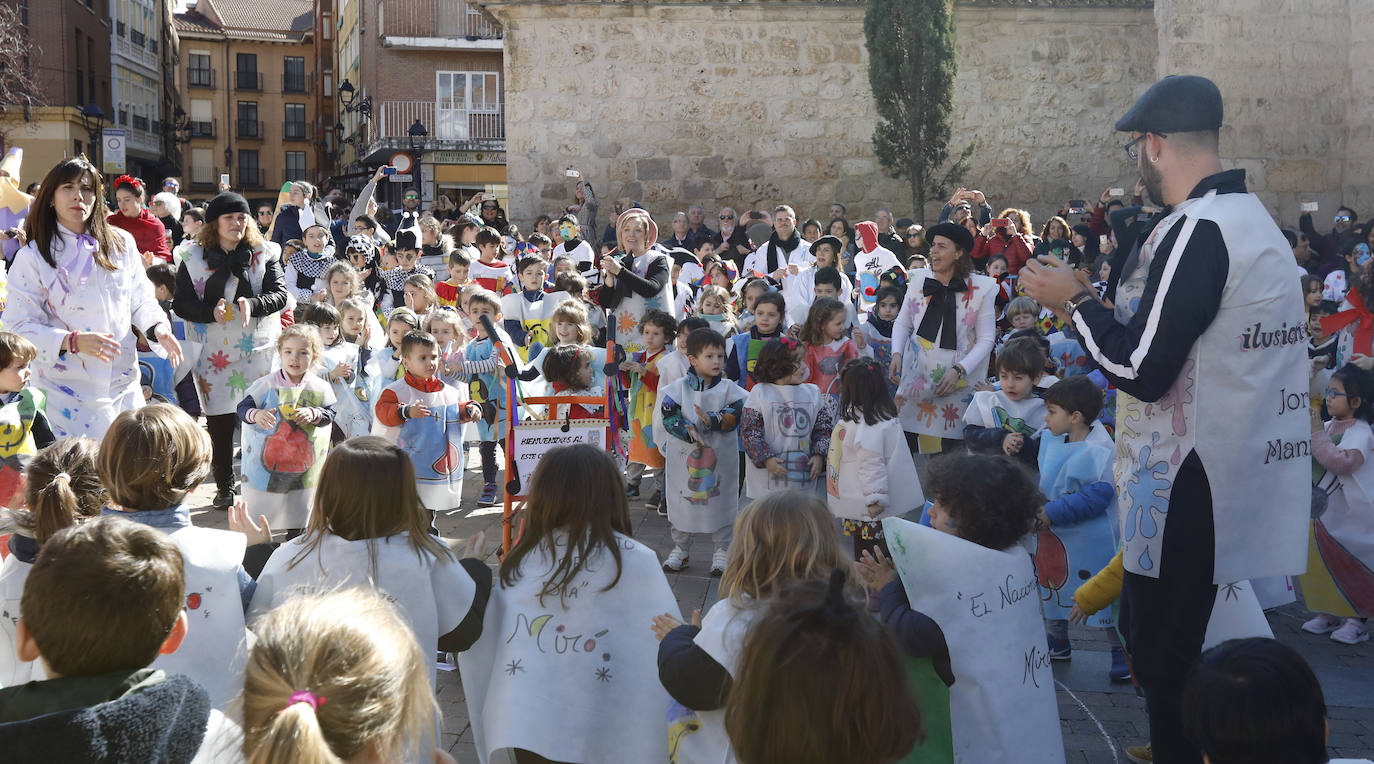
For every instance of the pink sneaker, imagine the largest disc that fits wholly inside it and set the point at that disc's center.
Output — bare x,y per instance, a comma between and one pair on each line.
1352,632
1322,624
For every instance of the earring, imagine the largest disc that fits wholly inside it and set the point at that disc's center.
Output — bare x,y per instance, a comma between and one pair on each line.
1154,160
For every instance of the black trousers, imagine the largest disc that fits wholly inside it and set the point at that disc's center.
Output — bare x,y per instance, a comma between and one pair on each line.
1164,620
222,427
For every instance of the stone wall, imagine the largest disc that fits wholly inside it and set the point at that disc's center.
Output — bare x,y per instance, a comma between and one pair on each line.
758,103
1299,93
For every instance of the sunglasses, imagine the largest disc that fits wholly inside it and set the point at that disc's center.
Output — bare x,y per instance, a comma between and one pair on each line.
491,207
411,196
1342,218
727,217
264,213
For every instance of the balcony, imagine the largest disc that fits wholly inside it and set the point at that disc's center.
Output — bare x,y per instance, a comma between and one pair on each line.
200,78
246,80
293,131
296,83
249,128
202,129
135,53
140,122
136,37
449,129
446,24
119,28
142,142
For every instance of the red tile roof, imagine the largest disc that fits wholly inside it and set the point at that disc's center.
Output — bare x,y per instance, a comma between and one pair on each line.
293,17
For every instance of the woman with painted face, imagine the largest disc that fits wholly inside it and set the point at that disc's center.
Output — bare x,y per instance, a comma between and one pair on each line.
75,291
784,253
229,288
149,233
573,246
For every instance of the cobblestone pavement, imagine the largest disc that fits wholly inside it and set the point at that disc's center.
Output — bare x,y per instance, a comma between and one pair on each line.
1099,718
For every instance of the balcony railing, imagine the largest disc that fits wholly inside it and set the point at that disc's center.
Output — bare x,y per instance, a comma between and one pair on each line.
486,126
136,37
119,28
438,18
140,122
123,118
293,131
200,78
248,177
295,83
246,80
203,129
249,128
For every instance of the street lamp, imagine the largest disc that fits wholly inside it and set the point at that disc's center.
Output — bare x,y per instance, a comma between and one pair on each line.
348,97
417,135
93,119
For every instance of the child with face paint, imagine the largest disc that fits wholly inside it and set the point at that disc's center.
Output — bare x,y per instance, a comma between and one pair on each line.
573,247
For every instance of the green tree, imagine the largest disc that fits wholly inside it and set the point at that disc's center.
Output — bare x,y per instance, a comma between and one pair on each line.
911,68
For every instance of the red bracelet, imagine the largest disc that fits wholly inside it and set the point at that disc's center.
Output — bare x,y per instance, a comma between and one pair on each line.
71,343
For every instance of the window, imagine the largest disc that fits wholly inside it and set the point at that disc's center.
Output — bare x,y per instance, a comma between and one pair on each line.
249,176
198,74
249,127
246,72
460,95
294,127
327,26
202,117
295,165
293,74
202,166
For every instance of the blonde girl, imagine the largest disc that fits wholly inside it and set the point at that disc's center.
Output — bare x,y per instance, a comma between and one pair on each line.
341,281
337,677
576,562
420,294
63,489
149,461
782,539
827,347
447,327
368,528
287,416
713,304
570,326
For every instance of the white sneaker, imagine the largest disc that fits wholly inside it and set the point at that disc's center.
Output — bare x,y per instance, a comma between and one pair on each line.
1322,624
677,560
718,563
1352,632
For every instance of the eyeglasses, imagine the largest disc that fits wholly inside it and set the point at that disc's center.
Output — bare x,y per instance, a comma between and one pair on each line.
1329,393
264,213
1131,148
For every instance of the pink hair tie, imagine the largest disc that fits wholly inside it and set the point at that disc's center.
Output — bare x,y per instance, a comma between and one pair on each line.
304,696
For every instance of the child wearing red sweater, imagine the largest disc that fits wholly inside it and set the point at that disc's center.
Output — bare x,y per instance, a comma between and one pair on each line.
425,417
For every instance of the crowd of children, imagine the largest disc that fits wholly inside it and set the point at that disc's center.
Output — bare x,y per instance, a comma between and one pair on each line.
753,407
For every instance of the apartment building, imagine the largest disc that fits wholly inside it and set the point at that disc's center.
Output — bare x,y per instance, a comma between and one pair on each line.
412,66
249,74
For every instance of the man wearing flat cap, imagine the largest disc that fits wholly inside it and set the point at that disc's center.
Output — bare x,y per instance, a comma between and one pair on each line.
1199,332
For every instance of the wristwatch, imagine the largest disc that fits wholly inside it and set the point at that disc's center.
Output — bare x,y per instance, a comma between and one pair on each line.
1074,303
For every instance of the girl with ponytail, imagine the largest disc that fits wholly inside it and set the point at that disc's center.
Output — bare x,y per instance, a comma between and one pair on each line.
336,678
63,489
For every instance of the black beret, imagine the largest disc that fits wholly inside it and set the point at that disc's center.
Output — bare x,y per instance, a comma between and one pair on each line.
1179,103
955,233
225,203
833,241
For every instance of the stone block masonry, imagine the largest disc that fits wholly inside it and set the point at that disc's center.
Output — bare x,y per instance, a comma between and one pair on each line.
759,103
